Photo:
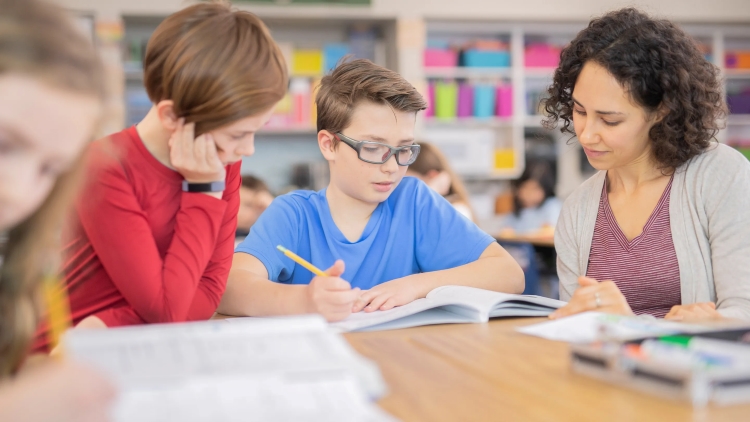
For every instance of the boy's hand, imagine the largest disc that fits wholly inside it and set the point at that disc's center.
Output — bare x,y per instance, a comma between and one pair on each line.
387,296
195,159
694,312
595,296
331,296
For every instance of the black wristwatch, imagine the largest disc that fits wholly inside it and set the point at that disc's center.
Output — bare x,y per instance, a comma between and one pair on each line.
203,187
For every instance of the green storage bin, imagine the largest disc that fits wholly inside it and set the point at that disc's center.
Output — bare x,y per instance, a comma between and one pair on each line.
446,100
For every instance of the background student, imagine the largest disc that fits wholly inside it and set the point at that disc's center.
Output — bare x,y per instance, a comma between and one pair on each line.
434,169
663,227
398,238
535,207
535,213
51,96
255,197
154,230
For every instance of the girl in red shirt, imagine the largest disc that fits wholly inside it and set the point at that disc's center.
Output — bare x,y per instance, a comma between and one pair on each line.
153,233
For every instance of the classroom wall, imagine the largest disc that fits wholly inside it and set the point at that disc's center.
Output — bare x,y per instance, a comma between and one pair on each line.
575,10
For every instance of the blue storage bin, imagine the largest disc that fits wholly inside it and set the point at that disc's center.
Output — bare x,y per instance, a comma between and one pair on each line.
486,58
332,54
484,100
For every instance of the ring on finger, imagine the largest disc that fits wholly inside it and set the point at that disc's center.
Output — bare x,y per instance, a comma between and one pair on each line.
598,300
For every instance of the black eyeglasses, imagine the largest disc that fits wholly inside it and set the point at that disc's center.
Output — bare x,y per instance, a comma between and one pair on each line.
377,153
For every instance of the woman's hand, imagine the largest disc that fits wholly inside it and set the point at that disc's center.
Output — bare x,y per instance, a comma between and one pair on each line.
195,159
594,296
704,311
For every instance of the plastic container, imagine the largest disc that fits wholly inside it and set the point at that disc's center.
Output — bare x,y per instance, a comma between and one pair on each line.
484,100
505,159
299,89
739,103
332,55
486,58
541,55
738,60
430,111
504,101
446,95
307,62
465,100
440,58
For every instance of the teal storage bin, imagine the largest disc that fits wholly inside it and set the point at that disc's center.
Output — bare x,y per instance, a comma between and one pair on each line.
486,58
332,54
484,100
446,100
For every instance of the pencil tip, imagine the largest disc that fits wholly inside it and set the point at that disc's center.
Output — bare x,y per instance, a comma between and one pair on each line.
281,248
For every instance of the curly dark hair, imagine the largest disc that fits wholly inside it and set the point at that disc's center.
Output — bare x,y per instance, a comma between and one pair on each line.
660,67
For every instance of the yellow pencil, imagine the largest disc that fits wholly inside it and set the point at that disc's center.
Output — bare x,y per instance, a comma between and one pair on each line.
58,308
296,258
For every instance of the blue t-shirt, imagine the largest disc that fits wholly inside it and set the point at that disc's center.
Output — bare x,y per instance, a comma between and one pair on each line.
415,230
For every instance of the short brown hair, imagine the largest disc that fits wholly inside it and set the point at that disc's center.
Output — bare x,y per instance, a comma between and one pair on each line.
357,80
660,66
254,183
38,40
217,64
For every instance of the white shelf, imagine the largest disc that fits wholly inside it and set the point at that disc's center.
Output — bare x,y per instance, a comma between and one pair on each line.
469,122
494,175
738,119
533,121
737,73
467,72
288,131
539,72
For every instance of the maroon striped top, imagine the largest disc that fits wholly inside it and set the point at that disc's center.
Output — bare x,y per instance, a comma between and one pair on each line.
645,269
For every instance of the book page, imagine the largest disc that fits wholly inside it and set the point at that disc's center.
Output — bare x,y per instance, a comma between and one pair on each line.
588,327
363,319
498,304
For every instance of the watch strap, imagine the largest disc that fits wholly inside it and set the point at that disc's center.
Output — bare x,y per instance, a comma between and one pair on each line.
203,187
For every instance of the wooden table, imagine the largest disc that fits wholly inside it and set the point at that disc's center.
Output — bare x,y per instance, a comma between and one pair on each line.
489,372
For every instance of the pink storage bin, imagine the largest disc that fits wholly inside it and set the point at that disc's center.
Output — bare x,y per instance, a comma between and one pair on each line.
434,57
504,101
430,111
542,55
465,100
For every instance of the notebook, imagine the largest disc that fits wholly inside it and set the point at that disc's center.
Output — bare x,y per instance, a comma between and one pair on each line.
280,369
451,304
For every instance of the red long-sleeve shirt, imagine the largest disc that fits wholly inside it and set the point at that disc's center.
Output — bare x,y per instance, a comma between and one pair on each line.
139,249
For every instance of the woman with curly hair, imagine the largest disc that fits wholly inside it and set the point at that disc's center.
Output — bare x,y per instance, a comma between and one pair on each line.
663,228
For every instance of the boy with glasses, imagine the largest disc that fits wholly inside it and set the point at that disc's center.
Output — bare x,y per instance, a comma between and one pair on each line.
398,238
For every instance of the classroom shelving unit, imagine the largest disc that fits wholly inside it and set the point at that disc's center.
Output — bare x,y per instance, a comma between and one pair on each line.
528,83
401,39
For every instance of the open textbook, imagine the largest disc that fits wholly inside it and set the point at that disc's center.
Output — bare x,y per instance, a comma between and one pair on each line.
451,304
279,369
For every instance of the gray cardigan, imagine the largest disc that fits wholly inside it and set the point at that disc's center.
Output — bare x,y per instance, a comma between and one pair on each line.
709,213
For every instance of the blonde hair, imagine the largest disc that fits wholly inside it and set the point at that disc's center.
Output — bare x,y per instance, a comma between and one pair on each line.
431,158
218,65
37,40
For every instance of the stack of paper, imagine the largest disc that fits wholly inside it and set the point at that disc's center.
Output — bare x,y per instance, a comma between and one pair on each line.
277,369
